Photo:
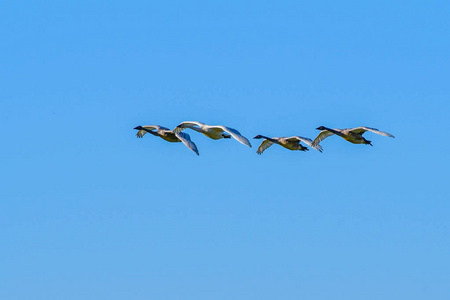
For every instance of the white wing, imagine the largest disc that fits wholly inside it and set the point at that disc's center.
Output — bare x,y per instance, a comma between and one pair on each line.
179,128
186,139
322,135
264,145
236,134
363,129
308,142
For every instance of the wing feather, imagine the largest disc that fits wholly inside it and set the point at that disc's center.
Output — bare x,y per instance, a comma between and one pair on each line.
264,145
322,135
186,140
180,128
363,129
141,133
235,134
308,142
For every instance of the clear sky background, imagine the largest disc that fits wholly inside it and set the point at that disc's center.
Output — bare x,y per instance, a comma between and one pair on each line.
88,211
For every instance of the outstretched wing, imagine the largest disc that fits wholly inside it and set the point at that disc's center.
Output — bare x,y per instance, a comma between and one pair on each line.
363,129
186,140
264,145
180,126
322,135
307,141
235,134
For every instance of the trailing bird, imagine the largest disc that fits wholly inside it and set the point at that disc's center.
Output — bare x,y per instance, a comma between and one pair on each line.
167,135
353,135
291,143
214,132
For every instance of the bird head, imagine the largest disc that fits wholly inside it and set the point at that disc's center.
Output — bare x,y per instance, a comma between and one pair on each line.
368,142
321,128
138,127
258,137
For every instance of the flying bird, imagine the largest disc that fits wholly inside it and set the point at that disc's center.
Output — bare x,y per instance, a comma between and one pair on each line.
214,132
291,143
353,135
167,135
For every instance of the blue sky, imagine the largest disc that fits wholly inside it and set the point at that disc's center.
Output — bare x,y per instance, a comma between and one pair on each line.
89,211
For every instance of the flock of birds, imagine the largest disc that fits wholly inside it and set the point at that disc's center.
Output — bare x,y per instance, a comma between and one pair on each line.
216,132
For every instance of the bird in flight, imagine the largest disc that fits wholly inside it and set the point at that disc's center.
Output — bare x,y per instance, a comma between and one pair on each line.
214,132
167,135
291,143
352,135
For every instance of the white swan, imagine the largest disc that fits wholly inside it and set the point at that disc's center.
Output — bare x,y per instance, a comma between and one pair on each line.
214,132
167,135
353,135
291,143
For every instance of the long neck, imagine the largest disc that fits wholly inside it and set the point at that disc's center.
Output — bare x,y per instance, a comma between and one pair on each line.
270,139
334,131
150,131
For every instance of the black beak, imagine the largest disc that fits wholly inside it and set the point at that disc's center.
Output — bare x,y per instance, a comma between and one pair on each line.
137,127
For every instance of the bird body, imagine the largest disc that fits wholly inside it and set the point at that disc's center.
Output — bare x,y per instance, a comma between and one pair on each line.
291,143
211,132
167,135
214,132
352,135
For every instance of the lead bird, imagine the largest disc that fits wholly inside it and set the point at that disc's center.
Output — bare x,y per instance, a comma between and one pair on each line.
167,135
291,143
214,132
352,135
